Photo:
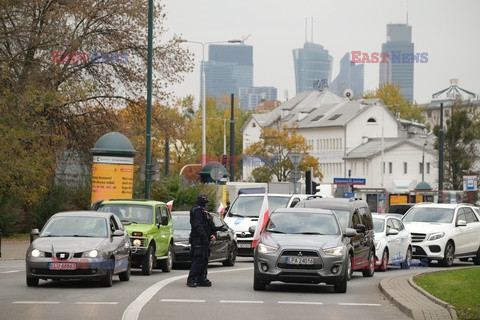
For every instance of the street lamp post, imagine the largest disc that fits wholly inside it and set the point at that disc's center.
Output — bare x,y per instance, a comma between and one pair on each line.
203,93
423,161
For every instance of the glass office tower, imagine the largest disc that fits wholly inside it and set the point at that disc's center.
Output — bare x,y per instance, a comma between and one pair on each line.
313,67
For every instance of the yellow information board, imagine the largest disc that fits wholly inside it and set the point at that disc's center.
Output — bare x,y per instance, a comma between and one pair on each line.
112,178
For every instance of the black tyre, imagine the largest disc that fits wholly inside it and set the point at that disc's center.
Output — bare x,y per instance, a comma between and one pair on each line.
341,287
384,261
232,257
147,261
257,284
125,276
448,256
107,281
476,259
349,267
369,271
32,282
167,264
408,259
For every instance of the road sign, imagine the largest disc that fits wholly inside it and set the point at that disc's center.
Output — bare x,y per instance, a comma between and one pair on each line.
295,158
217,173
348,194
360,181
295,175
470,183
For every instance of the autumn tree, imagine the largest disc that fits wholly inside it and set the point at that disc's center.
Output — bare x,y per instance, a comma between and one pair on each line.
460,137
390,94
273,148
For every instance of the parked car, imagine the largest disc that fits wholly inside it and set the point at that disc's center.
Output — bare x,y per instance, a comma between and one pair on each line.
399,208
149,225
393,243
79,245
444,232
301,245
355,214
223,249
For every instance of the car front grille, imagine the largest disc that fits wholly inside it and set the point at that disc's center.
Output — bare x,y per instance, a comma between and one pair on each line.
418,237
143,240
62,255
77,272
296,266
300,253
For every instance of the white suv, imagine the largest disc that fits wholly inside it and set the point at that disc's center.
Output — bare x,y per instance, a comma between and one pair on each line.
444,231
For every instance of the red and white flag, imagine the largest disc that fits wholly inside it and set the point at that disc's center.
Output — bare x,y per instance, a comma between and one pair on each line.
262,221
221,208
170,205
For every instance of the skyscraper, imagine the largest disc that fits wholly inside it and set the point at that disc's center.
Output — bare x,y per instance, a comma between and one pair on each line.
398,69
229,67
351,76
251,97
313,67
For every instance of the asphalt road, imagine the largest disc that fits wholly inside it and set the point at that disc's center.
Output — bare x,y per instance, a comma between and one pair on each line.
165,296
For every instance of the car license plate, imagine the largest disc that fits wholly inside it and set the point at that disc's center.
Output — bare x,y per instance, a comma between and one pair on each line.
299,260
244,245
62,266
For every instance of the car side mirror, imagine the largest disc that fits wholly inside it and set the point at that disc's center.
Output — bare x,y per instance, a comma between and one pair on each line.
251,229
164,220
118,233
461,223
33,233
392,232
349,232
360,228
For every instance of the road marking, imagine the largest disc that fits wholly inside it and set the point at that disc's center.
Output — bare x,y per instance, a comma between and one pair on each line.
133,310
11,271
181,300
36,302
359,304
239,301
95,302
298,302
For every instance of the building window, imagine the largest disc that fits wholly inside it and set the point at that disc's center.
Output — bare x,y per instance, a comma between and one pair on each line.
428,167
420,167
371,120
390,167
405,171
254,125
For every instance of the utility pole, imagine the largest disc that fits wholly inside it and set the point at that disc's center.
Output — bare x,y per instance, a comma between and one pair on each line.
232,139
440,157
148,157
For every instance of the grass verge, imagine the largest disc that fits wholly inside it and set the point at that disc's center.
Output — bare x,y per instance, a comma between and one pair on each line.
460,288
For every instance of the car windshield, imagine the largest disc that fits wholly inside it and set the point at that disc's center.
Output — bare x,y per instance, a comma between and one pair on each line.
181,222
250,206
428,214
378,225
75,227
130,213
302,223
343,216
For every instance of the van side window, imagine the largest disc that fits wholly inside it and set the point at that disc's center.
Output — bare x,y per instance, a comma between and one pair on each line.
355,219
364,216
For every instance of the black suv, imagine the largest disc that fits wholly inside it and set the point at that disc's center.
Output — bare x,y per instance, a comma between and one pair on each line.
355,214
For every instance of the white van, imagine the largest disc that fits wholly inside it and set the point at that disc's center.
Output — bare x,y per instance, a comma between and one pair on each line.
244,212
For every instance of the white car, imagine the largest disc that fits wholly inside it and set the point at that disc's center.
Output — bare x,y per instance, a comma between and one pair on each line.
444,232
393,243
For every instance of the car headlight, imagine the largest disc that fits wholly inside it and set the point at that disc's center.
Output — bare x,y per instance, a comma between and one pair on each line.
263,248
36,253
182,243
137,243
92,254
435,236
337,251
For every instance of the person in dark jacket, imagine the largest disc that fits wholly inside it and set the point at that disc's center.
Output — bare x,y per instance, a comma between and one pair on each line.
202,232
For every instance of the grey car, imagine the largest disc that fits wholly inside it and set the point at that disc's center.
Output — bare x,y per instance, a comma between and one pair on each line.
302,245
79,245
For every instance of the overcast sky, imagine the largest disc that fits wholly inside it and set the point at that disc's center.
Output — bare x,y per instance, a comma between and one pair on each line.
448,30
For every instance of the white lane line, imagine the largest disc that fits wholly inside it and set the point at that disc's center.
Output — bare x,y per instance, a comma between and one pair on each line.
36,302
182,300
96,302
359,304
11,271
239,301
133,310
299,302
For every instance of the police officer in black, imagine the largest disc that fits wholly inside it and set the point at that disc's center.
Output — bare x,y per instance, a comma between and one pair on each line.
203,231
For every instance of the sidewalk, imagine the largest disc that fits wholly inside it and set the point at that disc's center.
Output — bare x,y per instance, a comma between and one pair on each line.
14,249
414,301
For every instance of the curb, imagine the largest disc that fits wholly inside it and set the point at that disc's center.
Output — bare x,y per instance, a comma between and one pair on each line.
402,307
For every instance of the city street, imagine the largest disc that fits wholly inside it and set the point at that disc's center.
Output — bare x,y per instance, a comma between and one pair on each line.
165,295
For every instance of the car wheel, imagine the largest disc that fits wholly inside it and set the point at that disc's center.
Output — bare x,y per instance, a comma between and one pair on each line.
384,261
167,264
448,256
370,269
341,287
232,257
147,262
257,284
125,276
476,259
32,282
107,280
408,259
349,267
